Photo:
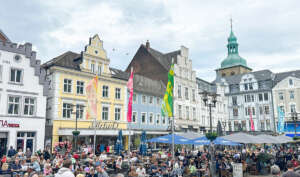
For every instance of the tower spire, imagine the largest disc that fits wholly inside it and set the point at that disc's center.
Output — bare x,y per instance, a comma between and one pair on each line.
231,23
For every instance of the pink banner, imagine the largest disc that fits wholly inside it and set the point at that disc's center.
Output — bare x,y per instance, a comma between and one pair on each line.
91,92
130,87
251,120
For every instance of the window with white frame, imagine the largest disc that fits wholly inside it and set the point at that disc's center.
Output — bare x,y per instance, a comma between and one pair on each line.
157,119
144,99
29,106
15,75
293,108
117,114
80,87
118,93
187,109
151,100
282,109
266,96
143,117
186,93
261,110
99,70
164,120
267,110
280,94
234,100
179,91
67,110
134,98
92,67
235,112
194,95
260,97
179,111
292,95
291,82
105,110
67,85
105,91
151,118
79,111
14,104
157,100
250,86
194,113
134,118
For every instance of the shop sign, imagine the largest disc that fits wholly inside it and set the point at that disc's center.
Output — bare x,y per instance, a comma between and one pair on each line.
8,124
237,169
105,125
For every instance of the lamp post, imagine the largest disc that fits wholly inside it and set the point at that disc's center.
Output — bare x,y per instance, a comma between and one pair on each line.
295,118
224,123
76,132
210,100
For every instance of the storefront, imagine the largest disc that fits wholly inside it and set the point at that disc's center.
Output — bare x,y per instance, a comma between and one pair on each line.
106,132
21,133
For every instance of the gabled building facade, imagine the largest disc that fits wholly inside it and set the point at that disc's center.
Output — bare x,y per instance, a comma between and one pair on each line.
68,75
22,97
155,65
286,96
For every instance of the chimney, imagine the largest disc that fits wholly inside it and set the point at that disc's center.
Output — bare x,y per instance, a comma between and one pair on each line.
147,44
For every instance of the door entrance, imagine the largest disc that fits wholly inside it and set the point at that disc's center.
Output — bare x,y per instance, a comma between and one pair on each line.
3,143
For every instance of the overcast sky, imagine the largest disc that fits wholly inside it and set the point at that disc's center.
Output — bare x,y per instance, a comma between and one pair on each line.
268,31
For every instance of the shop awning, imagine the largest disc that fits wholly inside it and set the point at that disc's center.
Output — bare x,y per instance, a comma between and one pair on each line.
89,132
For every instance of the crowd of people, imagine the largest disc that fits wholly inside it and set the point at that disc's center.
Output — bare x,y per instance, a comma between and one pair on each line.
278,161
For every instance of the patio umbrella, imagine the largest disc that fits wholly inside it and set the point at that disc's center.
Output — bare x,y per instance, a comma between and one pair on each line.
168,139
119,143
143,146
219,141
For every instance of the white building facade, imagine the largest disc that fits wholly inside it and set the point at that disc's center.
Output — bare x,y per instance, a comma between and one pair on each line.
185,94
219,113
22,97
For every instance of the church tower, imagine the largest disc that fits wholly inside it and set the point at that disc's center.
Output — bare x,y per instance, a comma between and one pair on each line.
233,64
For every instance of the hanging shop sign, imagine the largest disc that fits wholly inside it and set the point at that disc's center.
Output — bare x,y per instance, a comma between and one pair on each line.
105,125
9,124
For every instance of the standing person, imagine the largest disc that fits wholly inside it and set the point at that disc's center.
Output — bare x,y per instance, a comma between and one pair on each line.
100,171
65,171
35,164
290,172
28,153
11,152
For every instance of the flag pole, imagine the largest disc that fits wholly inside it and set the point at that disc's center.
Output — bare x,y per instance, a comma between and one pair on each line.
173,123
129,126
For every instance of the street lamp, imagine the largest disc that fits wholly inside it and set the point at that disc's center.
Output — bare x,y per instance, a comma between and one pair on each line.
76,132
210,100
224,123
295,118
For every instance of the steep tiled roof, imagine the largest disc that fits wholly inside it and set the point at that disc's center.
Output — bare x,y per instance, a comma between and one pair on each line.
280,76
164,59
68,60
119,74
259,76
3,37
148,86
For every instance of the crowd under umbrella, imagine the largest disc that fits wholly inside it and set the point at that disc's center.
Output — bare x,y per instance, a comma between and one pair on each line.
143,146
119,144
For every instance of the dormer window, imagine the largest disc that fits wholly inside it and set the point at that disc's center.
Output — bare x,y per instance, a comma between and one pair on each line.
291,82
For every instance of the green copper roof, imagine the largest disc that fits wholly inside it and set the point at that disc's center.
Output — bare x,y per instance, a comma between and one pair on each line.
233,57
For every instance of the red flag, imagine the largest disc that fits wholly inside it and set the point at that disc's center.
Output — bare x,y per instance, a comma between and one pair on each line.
251,120
130,87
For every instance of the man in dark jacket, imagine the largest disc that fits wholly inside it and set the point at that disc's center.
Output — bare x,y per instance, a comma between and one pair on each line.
16,168
11,152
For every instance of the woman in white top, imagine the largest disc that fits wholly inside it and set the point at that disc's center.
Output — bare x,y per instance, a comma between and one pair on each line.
141,171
